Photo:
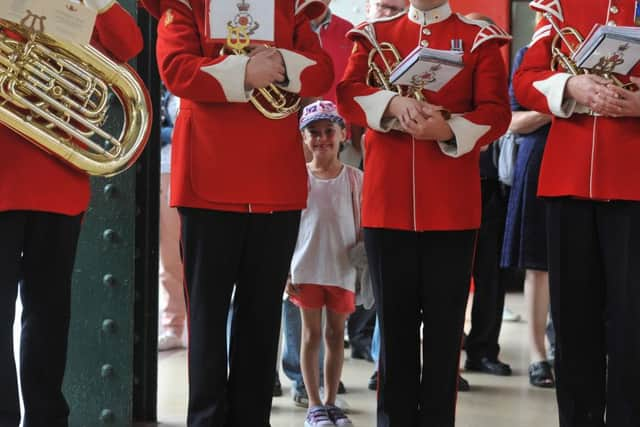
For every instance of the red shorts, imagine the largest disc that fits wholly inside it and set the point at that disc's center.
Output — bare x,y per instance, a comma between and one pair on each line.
334,298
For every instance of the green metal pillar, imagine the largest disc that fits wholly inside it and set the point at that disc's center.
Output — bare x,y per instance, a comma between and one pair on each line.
112,361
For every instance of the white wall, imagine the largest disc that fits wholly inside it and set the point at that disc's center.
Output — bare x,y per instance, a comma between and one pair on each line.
352,10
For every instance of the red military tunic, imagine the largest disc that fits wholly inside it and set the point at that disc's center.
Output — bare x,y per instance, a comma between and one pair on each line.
31,179
425,185
585,156
226,154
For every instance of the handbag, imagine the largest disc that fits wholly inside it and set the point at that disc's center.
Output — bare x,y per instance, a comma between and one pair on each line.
508,153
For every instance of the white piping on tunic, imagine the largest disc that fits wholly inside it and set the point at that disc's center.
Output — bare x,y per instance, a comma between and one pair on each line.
593,156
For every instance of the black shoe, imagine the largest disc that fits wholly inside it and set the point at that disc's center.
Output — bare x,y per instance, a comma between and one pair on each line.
463,385
341,388
361,353
484,364
277,388
373,381
540,375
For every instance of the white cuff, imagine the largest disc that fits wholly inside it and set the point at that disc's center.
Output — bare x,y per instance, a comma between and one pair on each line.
295,64
374,106
466,135
100,6
553,89
230,73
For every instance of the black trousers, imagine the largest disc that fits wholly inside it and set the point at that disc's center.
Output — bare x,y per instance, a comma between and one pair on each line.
489,278
360,326
419,279
594,271
252,251
38,250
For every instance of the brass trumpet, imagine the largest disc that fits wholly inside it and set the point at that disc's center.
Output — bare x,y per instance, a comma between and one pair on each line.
378,76
273,102
58,96
571,39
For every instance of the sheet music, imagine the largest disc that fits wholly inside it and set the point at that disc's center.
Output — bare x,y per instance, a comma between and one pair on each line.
61,19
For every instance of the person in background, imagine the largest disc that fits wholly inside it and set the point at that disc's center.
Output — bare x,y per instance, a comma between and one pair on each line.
238,179
481,345
42,204
172,307
525,242
591,184
321,272
421,202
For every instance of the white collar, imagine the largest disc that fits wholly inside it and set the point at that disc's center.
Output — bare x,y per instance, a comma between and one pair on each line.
429,17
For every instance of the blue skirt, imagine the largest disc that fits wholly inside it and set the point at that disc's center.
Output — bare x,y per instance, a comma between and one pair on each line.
525,236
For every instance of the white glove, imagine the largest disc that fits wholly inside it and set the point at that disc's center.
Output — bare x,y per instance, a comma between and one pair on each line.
99,5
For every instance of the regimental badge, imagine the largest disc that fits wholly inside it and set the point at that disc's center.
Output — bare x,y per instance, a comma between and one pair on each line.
244,19
429,76
168,17
637,13
607,64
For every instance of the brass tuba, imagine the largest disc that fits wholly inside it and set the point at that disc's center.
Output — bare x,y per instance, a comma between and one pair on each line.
378,76
571,39
58,96
273,102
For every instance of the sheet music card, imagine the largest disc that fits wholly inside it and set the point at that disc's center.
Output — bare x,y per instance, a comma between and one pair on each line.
256,17
61,19
609,49
427,68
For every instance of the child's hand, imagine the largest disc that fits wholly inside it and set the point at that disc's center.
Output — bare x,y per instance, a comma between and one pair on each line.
291,289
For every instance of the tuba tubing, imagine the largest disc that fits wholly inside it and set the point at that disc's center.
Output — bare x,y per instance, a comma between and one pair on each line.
31,103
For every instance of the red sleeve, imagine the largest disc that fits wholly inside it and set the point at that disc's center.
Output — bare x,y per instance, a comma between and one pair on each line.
535,85
490,95
309,67
358,102
118,34
190,74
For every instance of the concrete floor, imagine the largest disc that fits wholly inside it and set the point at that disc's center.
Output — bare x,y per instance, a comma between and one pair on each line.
492,401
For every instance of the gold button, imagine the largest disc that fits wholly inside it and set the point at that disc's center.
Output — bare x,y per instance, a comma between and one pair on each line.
614,9
611,23
426,32
424,43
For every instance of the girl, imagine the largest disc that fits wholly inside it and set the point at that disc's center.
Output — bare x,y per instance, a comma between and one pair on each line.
321,274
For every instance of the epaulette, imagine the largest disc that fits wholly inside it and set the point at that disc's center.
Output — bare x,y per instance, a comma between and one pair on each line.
487,32
552,7
366,28
311,8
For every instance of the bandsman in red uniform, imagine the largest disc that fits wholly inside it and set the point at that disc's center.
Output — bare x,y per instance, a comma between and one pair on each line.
239,182
421,202
42,201
591,181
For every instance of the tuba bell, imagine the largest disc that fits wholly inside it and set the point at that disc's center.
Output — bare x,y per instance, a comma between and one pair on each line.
570,39
273,102
58,96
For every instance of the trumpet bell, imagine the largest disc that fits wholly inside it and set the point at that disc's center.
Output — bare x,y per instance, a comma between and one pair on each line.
59,95
274,103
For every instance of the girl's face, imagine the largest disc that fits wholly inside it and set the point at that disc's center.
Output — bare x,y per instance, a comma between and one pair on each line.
323,138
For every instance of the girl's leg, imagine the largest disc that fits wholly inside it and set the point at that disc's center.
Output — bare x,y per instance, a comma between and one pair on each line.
309,350
536,293
334,356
